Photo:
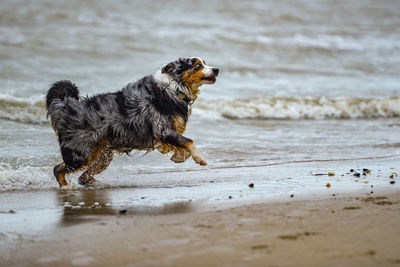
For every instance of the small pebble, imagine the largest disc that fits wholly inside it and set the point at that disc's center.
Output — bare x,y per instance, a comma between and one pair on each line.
122,211
331,174
392,182
251,185
364,174
96,203
356,174
366,170
81,203
107,204
230,197
11,211
351,170
328,185
292,195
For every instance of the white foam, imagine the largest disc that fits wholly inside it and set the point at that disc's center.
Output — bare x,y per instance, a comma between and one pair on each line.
255,108
22,110
325,41
300,108
26,178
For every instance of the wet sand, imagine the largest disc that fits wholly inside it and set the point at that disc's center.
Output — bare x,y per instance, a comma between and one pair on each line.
356,229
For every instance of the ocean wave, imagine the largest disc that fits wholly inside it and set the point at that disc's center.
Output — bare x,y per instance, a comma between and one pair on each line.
26,178
23,111
301,108
284,108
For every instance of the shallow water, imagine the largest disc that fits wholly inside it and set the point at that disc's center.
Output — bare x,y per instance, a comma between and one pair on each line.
299,82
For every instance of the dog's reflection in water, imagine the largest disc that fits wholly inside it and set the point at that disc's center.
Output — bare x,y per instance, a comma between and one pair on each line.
83,206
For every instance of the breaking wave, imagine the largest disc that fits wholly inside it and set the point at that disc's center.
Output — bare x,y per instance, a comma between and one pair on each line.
23,111
281,108
302,108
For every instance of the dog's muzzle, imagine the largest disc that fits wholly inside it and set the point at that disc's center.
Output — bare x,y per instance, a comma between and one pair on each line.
213,77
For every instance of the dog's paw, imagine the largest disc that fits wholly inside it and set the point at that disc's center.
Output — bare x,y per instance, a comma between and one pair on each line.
68,187
177,158
203,162
180,156
196,155
199,159
86,180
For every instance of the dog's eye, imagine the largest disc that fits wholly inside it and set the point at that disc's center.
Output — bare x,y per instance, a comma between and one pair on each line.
197,67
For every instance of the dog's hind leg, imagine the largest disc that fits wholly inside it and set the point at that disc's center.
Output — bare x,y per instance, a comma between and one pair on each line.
74,160
100,161
60,171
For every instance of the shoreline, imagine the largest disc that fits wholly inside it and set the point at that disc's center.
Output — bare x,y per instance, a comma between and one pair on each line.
347,230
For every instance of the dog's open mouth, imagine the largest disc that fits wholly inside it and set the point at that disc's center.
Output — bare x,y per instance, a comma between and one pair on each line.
210,79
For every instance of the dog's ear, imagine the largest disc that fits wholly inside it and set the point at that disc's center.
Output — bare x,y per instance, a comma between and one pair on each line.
168,68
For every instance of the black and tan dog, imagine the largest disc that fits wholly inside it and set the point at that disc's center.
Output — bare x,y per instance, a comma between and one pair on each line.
148,114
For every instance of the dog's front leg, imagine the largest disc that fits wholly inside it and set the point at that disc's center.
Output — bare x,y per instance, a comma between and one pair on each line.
180,141
181,155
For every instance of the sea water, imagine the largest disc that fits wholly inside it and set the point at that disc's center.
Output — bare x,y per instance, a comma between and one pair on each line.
312,83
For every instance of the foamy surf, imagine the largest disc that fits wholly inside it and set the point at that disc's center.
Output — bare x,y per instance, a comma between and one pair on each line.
281,108
302,108
32,112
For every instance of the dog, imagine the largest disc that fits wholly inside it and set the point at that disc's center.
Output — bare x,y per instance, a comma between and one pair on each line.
148,114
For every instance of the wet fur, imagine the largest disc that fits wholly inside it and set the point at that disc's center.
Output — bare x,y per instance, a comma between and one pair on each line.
148,114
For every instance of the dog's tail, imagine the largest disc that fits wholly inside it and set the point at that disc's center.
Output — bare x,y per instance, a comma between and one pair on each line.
59,91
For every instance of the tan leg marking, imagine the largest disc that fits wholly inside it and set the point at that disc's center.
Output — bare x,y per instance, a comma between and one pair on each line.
59,172
99,163
196,154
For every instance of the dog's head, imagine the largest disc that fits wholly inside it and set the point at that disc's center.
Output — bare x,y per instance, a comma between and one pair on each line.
192,72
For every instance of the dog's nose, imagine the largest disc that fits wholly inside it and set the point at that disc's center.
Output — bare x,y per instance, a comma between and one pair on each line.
215,71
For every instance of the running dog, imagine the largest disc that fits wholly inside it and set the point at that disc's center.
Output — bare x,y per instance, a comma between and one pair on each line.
148,114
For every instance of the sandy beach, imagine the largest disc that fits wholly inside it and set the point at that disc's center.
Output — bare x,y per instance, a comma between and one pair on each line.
355,229
321,214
